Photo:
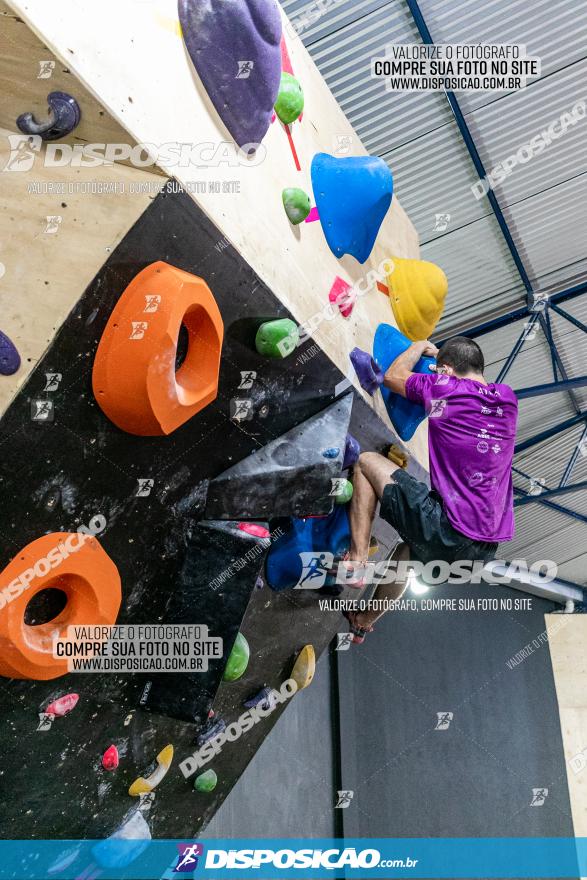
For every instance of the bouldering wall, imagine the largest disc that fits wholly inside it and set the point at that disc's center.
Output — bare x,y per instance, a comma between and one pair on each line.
53,241
118,66
174,444
80,465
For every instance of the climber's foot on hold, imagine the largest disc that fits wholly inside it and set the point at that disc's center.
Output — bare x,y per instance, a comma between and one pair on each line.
357,626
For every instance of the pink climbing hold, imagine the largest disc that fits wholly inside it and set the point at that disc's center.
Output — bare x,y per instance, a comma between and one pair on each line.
62,706
110,758
254,529
343,295
313,215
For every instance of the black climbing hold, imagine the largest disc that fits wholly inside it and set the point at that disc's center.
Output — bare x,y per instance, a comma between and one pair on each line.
220,603
289,476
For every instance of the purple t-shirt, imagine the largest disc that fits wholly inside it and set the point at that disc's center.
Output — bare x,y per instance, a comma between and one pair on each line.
471,434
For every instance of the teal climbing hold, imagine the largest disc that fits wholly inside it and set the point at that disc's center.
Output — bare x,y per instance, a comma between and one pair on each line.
343,492
238,659
206,781
290,99
296,203
353,196
277,338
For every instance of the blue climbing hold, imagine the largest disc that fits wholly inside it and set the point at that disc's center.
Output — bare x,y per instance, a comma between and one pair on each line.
388,344
284,568
353,196
331,452
9,356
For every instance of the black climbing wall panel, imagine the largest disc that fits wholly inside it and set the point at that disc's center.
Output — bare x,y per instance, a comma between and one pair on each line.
58,474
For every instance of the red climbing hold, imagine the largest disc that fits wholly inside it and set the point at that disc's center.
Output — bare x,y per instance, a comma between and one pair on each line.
254,529
62,706
343,295
110,758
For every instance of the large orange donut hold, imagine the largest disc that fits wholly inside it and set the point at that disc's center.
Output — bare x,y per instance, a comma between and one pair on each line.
72,562
135,381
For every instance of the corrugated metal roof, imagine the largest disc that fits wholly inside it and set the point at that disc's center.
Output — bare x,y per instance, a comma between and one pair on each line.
544,201
554,30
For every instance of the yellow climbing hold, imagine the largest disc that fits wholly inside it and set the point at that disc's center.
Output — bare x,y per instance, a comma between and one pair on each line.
417,290
144,784
304,667
397,455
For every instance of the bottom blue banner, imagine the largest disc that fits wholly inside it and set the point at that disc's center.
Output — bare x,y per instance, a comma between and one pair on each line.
275,858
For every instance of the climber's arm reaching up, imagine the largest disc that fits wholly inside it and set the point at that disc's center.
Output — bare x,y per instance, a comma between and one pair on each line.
402,367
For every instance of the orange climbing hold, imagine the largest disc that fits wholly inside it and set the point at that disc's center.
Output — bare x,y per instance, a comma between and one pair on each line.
417,290
135,380
77,565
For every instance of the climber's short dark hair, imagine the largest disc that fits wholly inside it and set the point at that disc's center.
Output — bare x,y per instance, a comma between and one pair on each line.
462,354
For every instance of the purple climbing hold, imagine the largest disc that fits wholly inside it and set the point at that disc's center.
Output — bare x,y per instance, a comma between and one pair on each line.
266,699
211,731
64,116
369,373
235,48
352,450
9,357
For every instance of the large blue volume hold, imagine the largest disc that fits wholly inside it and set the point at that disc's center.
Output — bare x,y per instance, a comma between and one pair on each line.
353,196
235,48
284,567
388,344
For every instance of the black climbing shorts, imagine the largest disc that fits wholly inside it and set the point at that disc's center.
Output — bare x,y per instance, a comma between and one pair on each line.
417,514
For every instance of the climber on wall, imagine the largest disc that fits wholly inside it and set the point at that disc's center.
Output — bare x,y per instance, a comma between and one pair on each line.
469,510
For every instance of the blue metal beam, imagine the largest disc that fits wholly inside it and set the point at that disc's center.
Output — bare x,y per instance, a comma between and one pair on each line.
520,313
550,432
517,348
547,328
554,506
551,493
474,154
570,318
551,387
572,460
559,362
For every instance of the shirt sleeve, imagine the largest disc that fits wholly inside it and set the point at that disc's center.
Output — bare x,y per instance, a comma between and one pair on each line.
420,388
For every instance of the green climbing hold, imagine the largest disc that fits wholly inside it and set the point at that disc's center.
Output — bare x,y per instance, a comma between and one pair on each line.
277,338
344,492
296,203
206,781
238,660
290,99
